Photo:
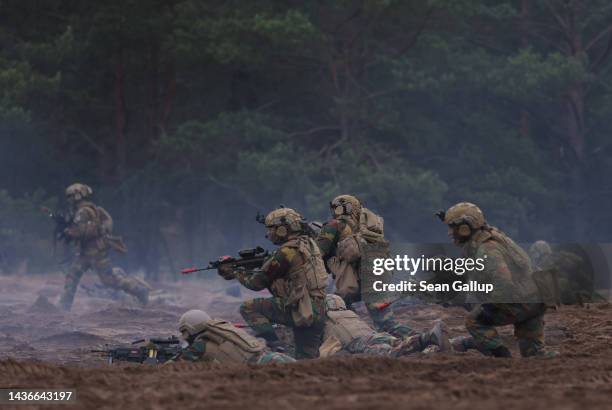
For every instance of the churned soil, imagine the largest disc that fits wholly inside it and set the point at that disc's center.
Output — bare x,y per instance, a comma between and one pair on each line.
41,347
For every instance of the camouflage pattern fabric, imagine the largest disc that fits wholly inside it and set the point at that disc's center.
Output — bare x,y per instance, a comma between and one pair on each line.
196,351
100,263
384,319
267,357
509,267
528,321
276,267
385,344
462,343
93,254
261,313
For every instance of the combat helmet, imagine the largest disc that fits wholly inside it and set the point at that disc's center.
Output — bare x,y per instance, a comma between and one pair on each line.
77,192
334,302
465,213
346,205
193,322
539,252
281,223
464,218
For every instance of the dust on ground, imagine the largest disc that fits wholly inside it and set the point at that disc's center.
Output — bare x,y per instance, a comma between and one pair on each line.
42,347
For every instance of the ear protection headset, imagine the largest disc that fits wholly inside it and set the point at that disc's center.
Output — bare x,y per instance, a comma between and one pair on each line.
341,208
464,230
281,231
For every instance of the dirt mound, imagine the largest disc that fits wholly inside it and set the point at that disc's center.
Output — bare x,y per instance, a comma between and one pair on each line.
580,378
442,381
43,306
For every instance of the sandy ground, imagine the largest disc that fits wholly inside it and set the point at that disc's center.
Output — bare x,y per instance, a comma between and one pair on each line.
41,347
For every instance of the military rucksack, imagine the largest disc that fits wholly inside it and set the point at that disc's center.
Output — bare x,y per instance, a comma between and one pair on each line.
345,326
226,343
105,227
105,221
372,245
371,225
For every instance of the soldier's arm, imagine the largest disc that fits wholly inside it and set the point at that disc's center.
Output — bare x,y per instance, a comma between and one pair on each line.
192,353
496,271
275,267
84,225
328,237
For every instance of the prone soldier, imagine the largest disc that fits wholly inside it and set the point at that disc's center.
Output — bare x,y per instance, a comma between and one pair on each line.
346,332
219,341
295,276
91,229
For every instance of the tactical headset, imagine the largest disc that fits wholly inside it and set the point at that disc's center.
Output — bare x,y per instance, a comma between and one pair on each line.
281,231
341,208
464,229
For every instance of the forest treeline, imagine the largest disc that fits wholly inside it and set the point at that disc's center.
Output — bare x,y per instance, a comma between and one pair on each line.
187,117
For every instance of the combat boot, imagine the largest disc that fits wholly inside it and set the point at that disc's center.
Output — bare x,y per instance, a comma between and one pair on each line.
438,335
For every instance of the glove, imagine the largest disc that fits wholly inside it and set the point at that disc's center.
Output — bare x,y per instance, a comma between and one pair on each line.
226,272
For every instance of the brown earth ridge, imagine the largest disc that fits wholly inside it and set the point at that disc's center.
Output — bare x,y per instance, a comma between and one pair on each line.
44,348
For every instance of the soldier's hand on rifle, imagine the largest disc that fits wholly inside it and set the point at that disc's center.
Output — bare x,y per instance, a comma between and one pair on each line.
226,272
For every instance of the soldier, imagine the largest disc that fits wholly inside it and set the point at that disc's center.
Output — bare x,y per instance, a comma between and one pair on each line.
295,276
91,229
219,341
574,274
346,332
506,264
353,236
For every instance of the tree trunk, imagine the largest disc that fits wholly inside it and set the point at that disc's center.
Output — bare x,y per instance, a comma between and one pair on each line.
120,116
524,27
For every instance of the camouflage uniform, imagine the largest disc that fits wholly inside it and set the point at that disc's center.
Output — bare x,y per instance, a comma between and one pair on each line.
346,332
574,275
296,277
509,267
219,341
348,285
88,232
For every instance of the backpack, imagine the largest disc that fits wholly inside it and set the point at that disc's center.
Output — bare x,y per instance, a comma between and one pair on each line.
105,221
371,225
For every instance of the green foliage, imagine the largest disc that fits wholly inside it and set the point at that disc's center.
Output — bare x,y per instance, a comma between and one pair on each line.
25,232
193,113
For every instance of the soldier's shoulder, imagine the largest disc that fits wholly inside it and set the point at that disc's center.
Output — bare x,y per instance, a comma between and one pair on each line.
489,247
287,251
86,212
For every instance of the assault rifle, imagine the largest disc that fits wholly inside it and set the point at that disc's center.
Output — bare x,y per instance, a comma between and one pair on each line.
248,258
154,351
62,221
